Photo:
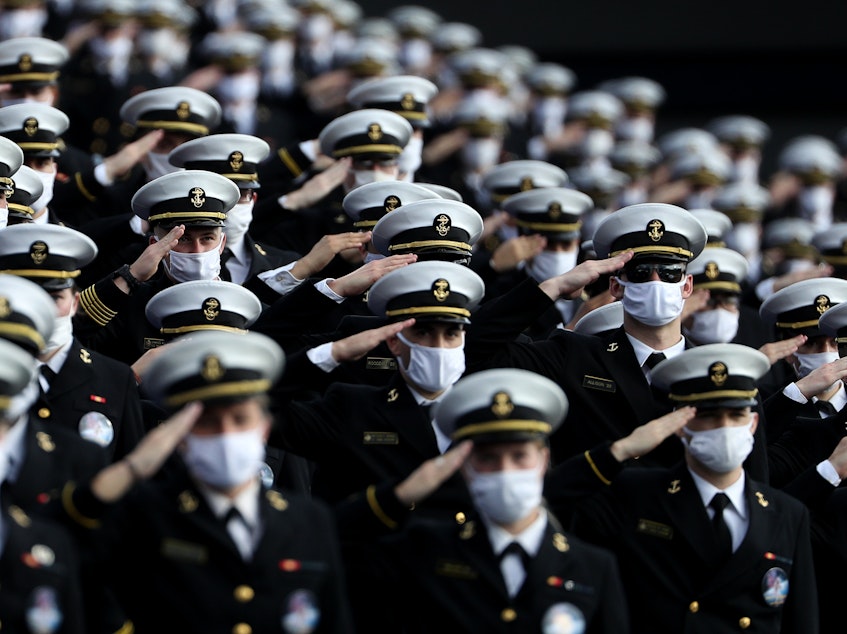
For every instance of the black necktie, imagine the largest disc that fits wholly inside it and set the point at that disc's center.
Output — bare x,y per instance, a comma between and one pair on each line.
825,408
225,257
722,534
516,549
48,375
654,358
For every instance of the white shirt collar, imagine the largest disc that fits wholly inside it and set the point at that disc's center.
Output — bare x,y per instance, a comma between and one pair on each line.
642,350
529,539
735,492
839,399
247,502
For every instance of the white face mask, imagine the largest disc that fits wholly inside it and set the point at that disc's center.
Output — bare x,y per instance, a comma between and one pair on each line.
187,267
416,54
239,87
635,129
63,332
816,204
225,460
481,154
363,177
506,496
22,23
433,369
411,158
238,221
701,199
653,303
157,164
718,325
47,180
808,362
549,264
744,238
548,114
720,450
745,170
597,143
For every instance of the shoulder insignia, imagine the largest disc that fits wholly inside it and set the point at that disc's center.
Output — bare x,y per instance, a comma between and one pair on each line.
674,487
276,500
85,356
612,347
188,502
45,441
393,395
761,499
260,249
560,543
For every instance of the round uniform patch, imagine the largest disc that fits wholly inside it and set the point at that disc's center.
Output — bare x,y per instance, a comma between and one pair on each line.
43,615
563,618
775,587
302,613
97,428
266,474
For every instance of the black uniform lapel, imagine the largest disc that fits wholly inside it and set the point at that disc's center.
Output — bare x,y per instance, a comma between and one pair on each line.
687,513
620,362
403,413
75,371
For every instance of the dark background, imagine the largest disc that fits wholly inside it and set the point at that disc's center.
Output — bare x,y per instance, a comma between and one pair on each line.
785,63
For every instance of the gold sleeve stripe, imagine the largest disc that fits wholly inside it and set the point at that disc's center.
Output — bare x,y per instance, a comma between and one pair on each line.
594,468
73,511
377,509
126,628
82,188
289,162
96,309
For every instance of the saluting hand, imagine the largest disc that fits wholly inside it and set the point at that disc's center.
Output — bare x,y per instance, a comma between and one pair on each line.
776,350
645,438
360,280
148,262
569,285
325,249
356,346
426,479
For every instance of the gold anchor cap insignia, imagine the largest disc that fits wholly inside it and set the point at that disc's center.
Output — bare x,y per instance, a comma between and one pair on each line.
197,195
441,289
822,304
38,251
183,110
212,369
31,126
25,63
374,132
501,405
391,203
712,271
5,307
442,224
718,373
211,308
554,210
236,161
655,230
407,102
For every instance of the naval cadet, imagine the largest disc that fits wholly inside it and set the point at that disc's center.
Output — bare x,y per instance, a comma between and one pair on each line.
81,390
702,545
506,564
186,211
212,546
11,160
39,564
237,157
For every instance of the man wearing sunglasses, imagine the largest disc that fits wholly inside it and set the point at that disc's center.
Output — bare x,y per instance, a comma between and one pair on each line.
647,248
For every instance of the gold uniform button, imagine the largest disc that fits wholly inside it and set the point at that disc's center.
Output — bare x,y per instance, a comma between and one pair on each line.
508,615
744,622
693,607
44,412
460,518
244,594
242,628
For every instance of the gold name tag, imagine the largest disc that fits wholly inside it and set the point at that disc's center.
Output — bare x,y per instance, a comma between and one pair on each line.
150,343
598,383
654,529
381,363
184,551
455,569
380,438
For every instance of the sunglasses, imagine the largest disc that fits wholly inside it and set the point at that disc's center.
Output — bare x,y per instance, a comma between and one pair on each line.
643,271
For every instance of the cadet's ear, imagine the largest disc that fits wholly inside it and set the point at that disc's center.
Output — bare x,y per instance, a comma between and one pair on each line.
395,345
615,288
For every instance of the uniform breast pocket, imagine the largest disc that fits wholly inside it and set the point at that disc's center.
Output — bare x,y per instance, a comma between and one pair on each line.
775,570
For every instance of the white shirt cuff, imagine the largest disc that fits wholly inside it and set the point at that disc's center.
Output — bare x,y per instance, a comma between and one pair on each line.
281,280
101,176
322,357
323,287
308,148
793,392
135,225
828,472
